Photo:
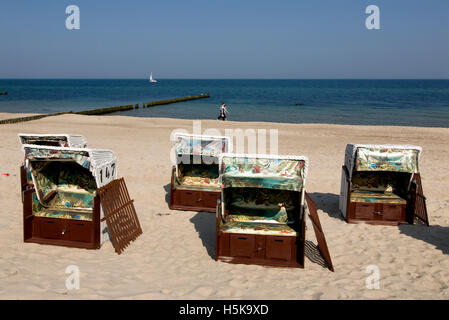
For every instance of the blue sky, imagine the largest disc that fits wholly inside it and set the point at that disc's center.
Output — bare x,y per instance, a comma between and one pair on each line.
225,39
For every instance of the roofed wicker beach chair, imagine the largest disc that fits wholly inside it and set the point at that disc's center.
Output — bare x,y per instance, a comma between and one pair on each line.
74,198
381,184
194,181
260,218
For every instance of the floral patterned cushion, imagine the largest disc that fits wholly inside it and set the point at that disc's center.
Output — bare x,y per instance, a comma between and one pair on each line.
386,159
261,205
64,190
376,197
200,175
282,174
200,146
75,213
257,228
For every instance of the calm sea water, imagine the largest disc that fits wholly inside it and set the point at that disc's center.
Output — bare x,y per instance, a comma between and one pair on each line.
371,102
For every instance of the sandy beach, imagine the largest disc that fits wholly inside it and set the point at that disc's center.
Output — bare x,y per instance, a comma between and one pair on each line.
174,258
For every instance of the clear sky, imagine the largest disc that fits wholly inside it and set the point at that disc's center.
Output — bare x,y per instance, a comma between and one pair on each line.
224,39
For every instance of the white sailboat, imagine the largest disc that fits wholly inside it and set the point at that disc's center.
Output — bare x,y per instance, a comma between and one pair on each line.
151,78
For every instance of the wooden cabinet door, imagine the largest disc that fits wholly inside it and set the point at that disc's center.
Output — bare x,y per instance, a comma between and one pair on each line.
189,198
210,199
278,248
393,212
369,211
50,228
364,211
242,246
81,231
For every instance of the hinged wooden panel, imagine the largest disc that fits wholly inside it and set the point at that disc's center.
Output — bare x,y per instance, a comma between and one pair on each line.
420,208
119,213
322,245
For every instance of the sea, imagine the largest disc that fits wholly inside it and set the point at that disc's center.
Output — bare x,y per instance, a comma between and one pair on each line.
423,103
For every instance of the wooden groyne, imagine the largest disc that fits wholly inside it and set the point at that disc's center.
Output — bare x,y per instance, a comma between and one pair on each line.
168,101
101,111
144,105
105,110
3,93
29,118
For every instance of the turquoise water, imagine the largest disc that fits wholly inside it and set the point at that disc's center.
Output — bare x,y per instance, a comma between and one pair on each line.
370,102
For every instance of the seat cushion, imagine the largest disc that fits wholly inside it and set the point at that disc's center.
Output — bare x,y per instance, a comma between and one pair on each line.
376,197
257,228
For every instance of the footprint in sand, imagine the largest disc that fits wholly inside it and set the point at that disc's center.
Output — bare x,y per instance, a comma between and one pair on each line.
205,291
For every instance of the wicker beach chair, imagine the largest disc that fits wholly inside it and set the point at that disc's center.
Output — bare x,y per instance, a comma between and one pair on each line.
260,218
194,181
67,202
381,184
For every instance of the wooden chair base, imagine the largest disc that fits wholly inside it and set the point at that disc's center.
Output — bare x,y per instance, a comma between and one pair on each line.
264,250
193,200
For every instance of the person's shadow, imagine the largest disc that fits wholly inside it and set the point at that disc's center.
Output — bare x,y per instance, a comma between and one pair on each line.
204,223
328,203
435,235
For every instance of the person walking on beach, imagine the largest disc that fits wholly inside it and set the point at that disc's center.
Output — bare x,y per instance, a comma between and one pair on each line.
223,112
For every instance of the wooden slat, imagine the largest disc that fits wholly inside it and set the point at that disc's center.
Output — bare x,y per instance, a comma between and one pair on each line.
420,210
119,213
322,245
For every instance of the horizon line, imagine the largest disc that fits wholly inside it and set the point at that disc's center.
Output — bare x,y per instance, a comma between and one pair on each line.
57,78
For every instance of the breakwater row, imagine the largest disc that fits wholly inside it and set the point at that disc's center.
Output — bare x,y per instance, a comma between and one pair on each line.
30,118
101,111
168,101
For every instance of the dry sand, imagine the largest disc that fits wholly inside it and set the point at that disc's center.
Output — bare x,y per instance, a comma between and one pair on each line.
174,258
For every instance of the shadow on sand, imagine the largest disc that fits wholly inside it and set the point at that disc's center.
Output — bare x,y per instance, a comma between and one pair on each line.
204,223
434,235
313,254
167,193
328,202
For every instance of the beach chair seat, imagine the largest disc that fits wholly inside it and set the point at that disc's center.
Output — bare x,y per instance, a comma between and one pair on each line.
277,229
376,197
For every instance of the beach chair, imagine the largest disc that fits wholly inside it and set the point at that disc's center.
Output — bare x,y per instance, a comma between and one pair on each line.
381,184
194,180
68,202
260,217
